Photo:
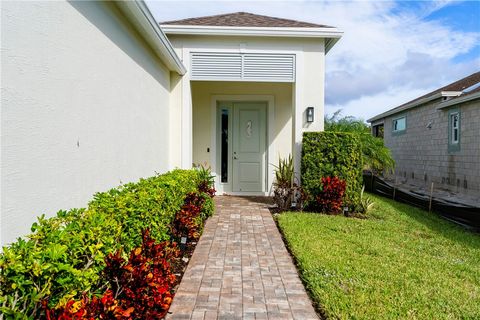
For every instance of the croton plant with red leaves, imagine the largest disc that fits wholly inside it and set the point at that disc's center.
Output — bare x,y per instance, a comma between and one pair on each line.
141,288
187,221
207,187
330,198
106,307
146,280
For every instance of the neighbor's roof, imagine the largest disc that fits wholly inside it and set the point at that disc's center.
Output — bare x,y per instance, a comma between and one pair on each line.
455,89
244,19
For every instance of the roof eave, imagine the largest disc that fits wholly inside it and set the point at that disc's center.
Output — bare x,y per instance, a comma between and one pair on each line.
333,34
459,100
142,19
413,104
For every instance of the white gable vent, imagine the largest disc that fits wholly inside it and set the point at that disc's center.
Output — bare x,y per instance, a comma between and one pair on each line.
216,66
269,67
243,67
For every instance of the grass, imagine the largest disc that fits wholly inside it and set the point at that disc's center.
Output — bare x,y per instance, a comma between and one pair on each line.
400,263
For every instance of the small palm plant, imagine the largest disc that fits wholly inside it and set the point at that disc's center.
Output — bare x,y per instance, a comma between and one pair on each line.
286,190
284,173
207,179
365,202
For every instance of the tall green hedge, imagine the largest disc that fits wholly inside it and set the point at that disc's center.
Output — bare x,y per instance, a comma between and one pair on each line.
332,154
65,254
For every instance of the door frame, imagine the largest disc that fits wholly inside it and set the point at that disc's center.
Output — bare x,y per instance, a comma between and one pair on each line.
270,148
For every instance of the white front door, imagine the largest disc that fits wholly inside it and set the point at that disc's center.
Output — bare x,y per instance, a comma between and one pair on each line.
249,135
245,148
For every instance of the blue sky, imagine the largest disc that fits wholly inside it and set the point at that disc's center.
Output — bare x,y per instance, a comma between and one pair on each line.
391,52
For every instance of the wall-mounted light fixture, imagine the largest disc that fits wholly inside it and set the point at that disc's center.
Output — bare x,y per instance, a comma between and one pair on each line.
310,115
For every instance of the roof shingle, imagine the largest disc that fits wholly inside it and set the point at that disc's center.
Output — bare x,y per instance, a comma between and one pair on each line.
244,19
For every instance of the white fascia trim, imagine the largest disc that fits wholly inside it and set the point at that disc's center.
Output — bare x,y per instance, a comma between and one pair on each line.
451,93
332,34
415,103
142,19
458,100
260,31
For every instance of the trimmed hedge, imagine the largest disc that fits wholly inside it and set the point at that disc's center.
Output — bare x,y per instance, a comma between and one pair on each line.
64,255
334,154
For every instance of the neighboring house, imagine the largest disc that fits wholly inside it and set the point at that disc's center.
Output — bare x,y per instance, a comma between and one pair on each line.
436,138
94,94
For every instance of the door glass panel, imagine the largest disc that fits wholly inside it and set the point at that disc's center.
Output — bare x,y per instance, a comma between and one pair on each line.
249,126
224,145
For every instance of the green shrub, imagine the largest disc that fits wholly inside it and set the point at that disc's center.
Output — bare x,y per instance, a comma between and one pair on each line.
140,287
64,255
150,203
334,154
208,205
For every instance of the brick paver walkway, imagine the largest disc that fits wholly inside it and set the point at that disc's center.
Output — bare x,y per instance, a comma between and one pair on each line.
241,269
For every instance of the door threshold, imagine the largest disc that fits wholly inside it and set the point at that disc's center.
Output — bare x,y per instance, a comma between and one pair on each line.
245,193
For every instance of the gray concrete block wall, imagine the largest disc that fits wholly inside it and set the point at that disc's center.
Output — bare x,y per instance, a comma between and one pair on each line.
422,151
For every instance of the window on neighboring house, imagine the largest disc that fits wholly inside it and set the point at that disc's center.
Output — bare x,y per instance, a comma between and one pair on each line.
399,125
454,130
455,127
377,130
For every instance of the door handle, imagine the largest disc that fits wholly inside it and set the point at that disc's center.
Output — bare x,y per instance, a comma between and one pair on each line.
235,158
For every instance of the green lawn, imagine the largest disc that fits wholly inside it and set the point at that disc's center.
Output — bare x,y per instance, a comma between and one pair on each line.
401,262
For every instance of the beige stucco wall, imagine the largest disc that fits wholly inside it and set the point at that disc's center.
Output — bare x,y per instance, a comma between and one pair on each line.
175,121
85,106
312,83
307,91
202,93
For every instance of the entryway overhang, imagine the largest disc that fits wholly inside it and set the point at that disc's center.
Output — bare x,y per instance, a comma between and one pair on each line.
239,68
250,67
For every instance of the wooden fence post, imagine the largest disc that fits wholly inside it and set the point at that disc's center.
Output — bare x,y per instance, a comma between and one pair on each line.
431,195
394,187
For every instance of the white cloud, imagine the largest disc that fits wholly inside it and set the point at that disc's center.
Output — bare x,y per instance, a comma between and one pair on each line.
366,107
429,7
389,53
388,58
